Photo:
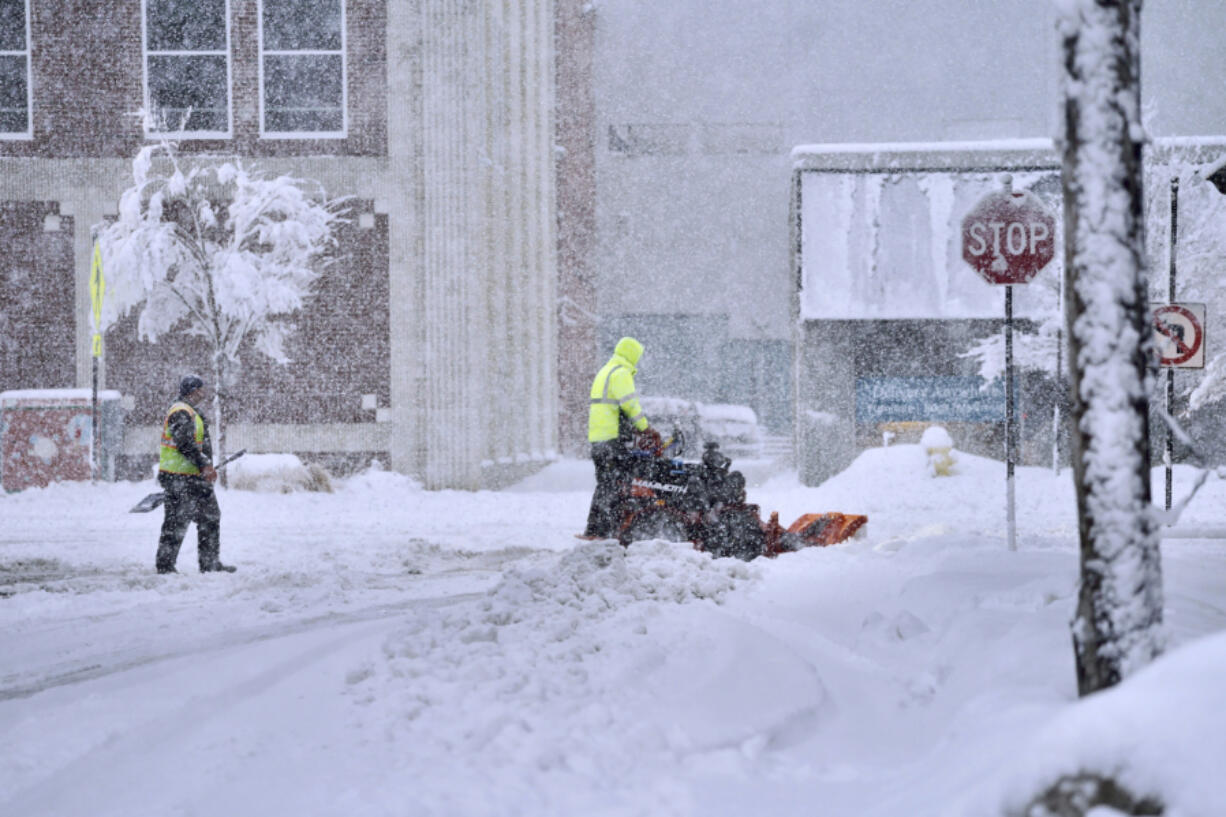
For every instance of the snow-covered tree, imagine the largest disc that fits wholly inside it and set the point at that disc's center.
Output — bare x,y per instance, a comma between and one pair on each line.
216,250
1118,623
1201,248
1037,351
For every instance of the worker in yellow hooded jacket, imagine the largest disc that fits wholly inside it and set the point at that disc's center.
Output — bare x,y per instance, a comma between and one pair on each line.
615,420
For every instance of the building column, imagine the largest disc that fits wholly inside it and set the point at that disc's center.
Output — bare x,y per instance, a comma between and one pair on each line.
401,197
454,265
575,170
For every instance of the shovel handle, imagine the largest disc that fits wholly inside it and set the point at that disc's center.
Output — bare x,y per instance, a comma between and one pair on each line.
152,501
230,459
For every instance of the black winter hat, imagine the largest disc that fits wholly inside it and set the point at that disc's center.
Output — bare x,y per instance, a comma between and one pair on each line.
189,384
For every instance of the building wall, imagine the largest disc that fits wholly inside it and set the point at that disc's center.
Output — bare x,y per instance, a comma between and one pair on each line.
36,296
432,340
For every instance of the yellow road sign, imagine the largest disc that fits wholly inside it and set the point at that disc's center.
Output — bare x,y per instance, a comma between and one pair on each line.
97,291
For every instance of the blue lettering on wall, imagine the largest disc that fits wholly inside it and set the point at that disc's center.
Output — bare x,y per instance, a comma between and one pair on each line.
952,399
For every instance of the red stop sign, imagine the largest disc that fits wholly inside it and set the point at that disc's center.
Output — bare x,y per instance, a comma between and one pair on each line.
1008,237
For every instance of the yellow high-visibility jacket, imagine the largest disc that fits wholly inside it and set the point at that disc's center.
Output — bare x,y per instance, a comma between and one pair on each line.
171,460
615,404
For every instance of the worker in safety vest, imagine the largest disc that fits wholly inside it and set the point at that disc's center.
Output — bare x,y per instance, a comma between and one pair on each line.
615,420
186,474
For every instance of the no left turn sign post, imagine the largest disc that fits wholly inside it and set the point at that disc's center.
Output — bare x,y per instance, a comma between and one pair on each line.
1179,335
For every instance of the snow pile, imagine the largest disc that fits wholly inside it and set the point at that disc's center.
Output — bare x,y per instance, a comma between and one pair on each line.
378,480
542,673
277,473
1152,734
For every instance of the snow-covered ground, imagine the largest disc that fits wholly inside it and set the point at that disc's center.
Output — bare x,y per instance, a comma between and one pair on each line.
385,650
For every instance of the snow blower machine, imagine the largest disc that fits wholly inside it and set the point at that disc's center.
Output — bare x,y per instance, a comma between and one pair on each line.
664,497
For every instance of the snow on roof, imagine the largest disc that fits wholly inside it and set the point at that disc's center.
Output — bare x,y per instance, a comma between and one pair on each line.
1006,152
968,155
1034,144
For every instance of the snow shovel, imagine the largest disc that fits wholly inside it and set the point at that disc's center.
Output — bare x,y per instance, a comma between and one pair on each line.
155,499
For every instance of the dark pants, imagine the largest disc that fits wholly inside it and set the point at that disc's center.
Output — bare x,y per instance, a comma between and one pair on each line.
612,469
189,499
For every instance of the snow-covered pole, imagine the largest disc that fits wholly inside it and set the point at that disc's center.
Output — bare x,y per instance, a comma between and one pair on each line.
219,374
1010,431
1169,453
1117,628
1010,418
97,291
1055,409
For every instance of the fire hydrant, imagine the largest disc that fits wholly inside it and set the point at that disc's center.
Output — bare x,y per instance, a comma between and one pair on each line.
939,448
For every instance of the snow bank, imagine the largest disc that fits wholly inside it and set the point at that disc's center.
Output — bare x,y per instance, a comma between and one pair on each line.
378,480
560,682
277,473
386,650
1158,734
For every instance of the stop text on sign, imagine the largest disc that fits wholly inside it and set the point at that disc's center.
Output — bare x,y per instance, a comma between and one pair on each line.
1013,237
1008,236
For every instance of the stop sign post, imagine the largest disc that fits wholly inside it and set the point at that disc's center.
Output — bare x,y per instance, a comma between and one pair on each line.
1007,237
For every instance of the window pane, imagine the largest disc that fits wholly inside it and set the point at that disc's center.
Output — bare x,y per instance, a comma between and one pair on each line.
303,93
302,25
13,118
13,25
178,85
186,25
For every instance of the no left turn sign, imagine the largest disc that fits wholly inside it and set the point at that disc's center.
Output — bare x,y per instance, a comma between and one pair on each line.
1179,335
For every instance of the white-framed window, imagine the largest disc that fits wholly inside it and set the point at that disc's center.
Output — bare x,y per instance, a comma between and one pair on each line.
302,69
15,93
187,67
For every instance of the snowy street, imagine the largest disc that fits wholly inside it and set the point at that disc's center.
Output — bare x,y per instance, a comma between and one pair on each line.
376,299
387,650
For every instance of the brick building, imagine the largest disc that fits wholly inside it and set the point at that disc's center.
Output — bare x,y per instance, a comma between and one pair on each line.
435,116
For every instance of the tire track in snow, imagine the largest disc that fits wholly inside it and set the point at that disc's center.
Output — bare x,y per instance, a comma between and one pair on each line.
106,777
110,664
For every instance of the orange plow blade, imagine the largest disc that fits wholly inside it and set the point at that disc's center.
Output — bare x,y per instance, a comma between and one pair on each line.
810,530
827,528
